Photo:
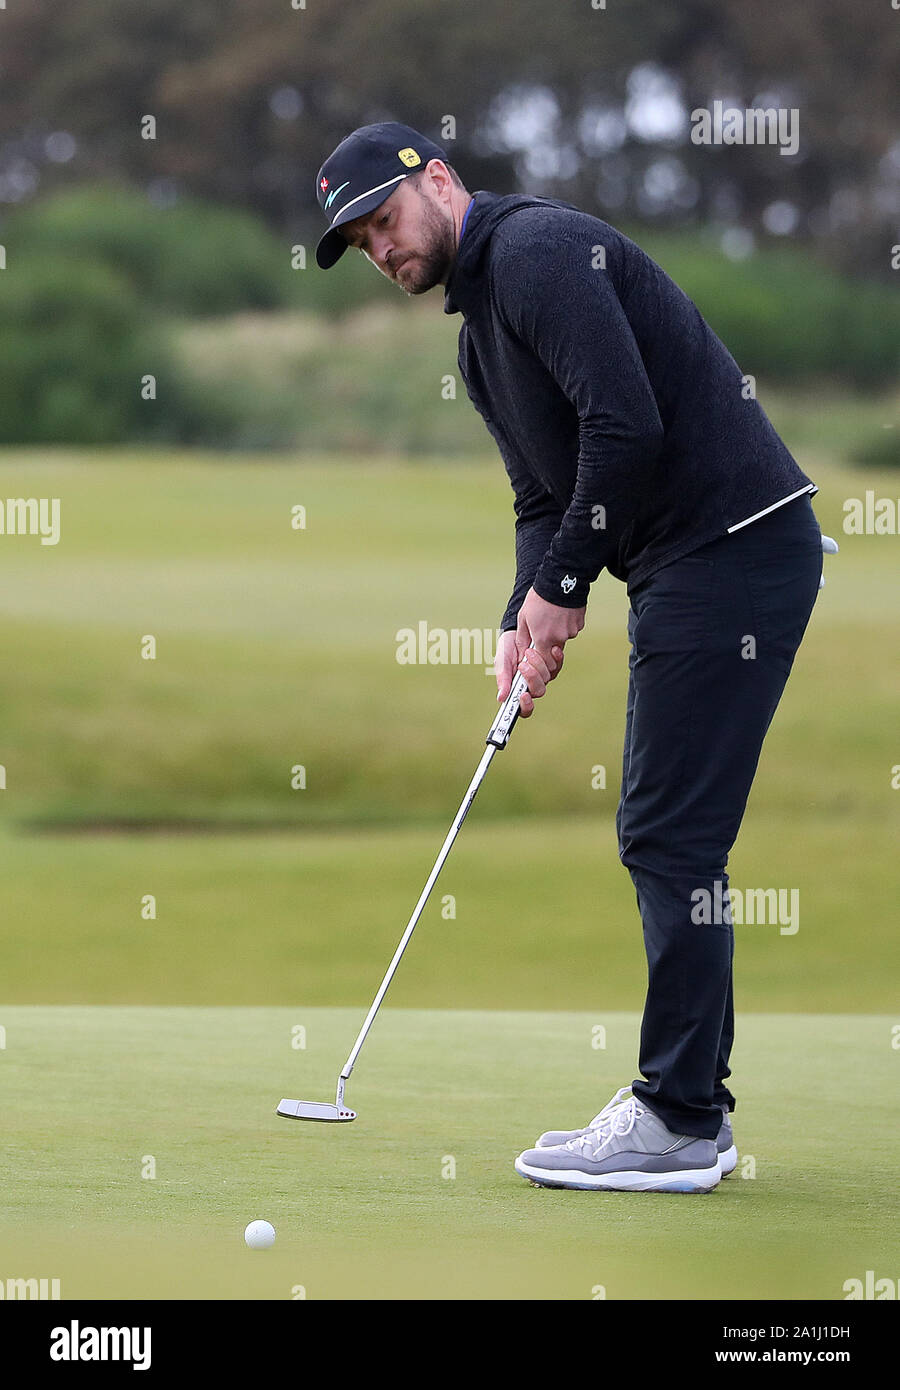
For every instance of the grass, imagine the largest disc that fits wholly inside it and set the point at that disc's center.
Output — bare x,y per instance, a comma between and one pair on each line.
129,1036
277,648
529,914
384,377
418,1198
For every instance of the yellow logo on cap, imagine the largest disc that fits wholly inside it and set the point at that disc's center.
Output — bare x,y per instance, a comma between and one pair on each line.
409,157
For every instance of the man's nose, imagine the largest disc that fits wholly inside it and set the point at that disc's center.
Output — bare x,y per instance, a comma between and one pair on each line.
382,248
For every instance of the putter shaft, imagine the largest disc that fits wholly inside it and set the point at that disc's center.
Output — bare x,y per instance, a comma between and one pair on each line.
497,738
469,797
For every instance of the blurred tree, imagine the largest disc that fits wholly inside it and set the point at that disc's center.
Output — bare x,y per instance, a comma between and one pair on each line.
590,104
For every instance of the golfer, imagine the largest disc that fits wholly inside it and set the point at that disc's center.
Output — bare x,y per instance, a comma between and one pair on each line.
633,444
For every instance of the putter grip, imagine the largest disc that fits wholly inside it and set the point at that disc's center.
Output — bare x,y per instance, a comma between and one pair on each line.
509,713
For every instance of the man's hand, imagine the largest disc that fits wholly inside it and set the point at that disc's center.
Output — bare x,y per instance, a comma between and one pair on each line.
535,648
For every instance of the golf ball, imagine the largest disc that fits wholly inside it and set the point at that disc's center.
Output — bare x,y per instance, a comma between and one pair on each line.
260,1235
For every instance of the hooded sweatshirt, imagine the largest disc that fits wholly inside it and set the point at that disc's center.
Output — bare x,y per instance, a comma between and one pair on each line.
626,427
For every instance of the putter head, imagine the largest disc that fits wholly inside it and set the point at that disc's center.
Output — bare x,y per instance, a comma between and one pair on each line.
313,1110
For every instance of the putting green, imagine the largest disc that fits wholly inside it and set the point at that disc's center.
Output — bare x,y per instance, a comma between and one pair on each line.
418,1198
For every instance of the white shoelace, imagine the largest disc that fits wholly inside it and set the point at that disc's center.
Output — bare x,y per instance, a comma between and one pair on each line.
602,1120
620,1120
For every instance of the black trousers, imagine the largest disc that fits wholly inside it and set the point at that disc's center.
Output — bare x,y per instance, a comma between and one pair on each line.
713,638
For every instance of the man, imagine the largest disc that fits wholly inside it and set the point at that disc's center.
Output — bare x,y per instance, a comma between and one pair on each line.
632,444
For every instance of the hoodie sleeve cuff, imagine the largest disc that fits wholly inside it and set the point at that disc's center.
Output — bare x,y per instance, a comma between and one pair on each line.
562,587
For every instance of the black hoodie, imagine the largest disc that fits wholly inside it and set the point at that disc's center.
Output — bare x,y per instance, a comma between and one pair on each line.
627,429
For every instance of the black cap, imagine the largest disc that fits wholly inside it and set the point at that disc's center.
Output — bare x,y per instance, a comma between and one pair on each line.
365,169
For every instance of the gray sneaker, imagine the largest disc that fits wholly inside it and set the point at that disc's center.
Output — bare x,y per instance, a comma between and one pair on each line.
725,1145
727,1149
552,1138
635,1152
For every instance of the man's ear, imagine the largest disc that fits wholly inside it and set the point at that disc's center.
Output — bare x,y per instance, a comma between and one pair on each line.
445,175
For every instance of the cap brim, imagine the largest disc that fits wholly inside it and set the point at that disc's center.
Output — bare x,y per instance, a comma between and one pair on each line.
330,249
333,244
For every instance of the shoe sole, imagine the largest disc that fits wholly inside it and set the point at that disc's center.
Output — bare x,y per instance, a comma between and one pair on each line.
685,1180
728,1160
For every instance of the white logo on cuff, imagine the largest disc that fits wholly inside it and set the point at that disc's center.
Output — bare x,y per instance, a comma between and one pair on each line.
567,583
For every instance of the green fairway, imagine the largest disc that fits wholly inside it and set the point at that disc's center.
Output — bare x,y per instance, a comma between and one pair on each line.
278,648
418,1197
543,915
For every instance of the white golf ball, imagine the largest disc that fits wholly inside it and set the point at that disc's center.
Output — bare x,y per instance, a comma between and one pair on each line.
260,1235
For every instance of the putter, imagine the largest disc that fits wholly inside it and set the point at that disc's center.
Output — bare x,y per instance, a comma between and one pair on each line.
497,738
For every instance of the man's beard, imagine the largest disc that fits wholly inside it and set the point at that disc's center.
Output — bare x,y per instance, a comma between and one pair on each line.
429,266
